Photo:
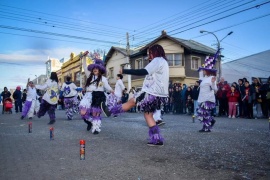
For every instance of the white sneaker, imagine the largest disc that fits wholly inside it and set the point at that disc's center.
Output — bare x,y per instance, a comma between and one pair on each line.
229,117
233,116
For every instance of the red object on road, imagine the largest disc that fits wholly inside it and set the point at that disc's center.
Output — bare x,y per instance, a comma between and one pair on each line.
82,149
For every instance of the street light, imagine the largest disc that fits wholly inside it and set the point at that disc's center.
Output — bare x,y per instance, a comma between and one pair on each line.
218,46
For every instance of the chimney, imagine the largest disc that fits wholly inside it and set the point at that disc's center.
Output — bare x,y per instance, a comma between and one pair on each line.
163,32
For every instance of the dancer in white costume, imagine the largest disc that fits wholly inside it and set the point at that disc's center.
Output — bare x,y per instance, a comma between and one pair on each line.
96,84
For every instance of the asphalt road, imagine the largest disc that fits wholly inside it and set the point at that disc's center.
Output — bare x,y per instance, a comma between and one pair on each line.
235,149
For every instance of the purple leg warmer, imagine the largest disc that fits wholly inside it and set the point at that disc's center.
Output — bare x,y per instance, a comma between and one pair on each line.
69,107
26,108
114,107
204,114
154,135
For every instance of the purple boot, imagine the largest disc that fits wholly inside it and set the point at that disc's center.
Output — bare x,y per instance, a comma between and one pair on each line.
155,137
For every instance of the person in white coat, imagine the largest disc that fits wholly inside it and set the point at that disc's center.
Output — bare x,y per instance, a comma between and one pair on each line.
206,99
31,104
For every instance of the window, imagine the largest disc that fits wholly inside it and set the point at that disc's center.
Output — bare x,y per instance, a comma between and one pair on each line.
174,59
195,62
111,73
138,64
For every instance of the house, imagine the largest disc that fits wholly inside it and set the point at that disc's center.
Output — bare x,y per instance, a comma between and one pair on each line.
255,65
184,58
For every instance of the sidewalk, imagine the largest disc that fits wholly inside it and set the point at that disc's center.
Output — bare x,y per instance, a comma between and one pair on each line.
235,149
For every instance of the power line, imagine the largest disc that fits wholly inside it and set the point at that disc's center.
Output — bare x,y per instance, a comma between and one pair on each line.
48,21
63,17
60,27
196,13
258,5
55,34
50,38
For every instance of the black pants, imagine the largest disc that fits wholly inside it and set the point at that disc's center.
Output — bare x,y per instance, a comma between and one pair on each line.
223,106
248,109
18,106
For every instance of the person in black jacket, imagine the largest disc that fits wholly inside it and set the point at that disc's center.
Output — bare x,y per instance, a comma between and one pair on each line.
5,94
265,94
17,96
195,95
24,95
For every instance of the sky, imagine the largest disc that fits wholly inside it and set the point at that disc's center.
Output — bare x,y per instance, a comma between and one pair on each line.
31,31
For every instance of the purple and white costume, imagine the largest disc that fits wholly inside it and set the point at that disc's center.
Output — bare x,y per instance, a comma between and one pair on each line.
70,98
95,94
154,93
31,104
206,99
49,99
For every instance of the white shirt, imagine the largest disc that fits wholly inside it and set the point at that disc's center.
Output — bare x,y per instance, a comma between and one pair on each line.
119,87
31,94
52,90
207,89
157,80
103,85
69,90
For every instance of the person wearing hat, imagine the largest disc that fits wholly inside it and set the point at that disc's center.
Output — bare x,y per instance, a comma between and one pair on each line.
31,104
50,98
206,98
96,84
17,96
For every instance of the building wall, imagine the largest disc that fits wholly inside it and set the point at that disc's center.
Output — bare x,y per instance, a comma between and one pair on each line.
115,62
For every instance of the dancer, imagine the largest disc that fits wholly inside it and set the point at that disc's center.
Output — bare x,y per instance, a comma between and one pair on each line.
50,98
206,99
31,104
154,91
95,86
69,92
119,87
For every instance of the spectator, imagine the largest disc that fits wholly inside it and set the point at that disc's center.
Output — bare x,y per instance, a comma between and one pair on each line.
223,89
265,92
24,96
5,94
248,100
232,96
256,85
195,95
183,97
125,95
17,96
241,90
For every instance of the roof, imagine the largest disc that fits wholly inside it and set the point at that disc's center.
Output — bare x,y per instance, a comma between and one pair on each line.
188,44
112,50
255,65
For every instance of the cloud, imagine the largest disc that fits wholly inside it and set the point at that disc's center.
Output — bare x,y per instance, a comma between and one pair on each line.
36,56
17,66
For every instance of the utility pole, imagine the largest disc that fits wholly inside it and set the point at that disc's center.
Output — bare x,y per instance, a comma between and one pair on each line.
128,61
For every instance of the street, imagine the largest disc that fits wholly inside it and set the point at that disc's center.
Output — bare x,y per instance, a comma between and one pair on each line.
235,149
